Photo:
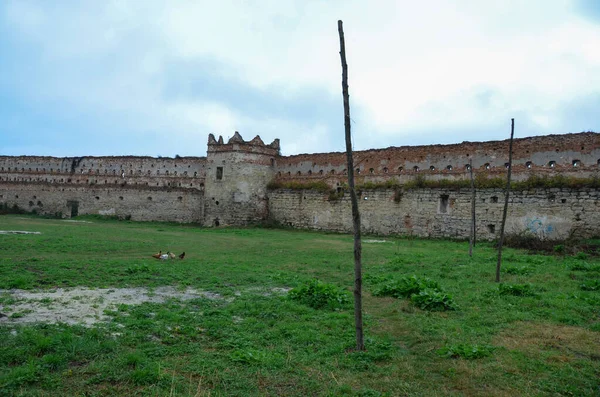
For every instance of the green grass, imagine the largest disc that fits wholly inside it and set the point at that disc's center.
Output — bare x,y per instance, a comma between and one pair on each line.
498,341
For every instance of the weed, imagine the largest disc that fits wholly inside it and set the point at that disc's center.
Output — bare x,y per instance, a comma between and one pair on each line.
516,289
405,287
593,285
520,270
320,186
466,351
320,295
248,356
433,300
581,256
559,248
584,267
137,269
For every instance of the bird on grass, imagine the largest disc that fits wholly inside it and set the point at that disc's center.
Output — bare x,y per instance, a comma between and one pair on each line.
157,256
182,255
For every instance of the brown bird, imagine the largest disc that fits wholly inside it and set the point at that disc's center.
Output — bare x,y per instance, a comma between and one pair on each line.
157,256
171,255
182,255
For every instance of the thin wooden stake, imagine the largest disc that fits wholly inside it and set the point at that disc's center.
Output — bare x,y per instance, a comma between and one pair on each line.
358,322
472,235
501,241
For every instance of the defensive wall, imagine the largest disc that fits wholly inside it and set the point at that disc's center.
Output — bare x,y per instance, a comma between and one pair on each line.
245,182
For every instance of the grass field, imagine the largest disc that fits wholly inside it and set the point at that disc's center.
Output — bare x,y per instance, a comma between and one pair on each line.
538,334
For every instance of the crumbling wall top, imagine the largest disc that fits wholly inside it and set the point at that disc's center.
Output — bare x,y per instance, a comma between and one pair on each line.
237,144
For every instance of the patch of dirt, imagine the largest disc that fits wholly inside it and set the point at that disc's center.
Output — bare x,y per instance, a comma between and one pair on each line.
535,337
82,305
17,232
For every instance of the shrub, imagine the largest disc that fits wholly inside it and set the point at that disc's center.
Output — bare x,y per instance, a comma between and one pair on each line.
320,295
516,289
466,351
433,300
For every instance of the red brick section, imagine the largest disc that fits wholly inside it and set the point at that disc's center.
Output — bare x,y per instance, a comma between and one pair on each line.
533,153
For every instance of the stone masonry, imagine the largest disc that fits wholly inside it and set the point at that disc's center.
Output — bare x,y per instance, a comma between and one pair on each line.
230,187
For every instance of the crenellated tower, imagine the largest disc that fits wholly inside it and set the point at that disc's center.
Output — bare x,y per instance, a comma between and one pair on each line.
237,174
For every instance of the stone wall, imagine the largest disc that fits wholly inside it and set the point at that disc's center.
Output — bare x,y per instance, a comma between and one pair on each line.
568,154
230,186
138,203
546,213
185,172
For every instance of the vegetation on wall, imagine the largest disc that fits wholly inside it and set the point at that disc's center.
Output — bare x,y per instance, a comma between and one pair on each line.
321,185
481,182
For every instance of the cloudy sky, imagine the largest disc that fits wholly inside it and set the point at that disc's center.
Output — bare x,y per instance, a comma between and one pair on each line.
152,77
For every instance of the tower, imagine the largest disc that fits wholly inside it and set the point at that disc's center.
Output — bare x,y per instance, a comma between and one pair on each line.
237,175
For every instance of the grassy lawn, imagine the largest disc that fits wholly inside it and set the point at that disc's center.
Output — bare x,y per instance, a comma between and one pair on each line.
539,334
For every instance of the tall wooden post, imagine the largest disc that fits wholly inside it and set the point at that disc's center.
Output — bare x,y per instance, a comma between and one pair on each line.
473,228
501,241
355,214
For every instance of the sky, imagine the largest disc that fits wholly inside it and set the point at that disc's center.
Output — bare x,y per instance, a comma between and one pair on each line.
154,78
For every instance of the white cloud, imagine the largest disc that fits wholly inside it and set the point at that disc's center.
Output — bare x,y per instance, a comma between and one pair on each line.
413,65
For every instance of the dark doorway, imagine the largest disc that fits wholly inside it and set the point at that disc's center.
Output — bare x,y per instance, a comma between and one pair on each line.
74,205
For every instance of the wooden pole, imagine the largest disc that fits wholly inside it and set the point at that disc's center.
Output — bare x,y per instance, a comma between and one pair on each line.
501,241
355,214
472,235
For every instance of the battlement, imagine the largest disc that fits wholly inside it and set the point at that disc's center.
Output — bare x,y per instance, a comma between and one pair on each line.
237,144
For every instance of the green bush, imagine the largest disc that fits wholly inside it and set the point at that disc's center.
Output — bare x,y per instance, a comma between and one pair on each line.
581,255
466,351
559,248
516,289
423,292
433,300
593,285
405,287
320,295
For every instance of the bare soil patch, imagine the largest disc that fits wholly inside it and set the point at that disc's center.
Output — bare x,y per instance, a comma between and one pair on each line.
82,305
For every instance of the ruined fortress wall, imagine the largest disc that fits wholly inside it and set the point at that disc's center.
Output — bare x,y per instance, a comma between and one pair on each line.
143,188
187,172
131,202
230,186
569,154
547,213
238,173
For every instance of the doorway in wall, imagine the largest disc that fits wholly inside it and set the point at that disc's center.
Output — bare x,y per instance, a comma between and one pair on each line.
74,206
